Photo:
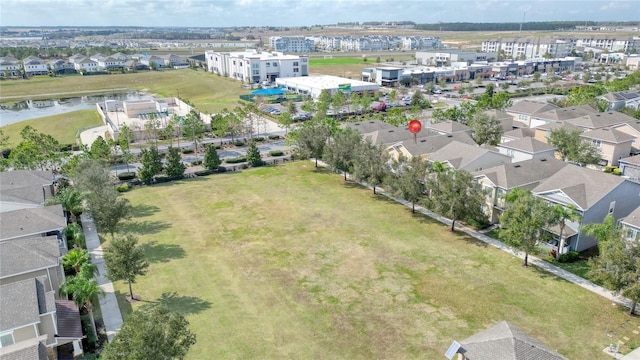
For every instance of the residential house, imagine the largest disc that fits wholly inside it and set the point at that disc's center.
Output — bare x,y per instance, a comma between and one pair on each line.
21,189
523,111
503,341
621,99
631,225
612,144
543,132
30,222
86,65
33,65
505,119
599,120
425,146
525,149
630,168
153,61
109,63
448,128
9,67
31,257
30,314
174,61
497,181
120,56
631,127
594,194
380,133
559,115
517,134
461,156
60,66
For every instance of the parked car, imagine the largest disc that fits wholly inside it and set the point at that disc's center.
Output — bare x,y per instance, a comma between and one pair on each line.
380,107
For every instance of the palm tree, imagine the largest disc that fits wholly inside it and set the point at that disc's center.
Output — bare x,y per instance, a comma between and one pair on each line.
75,233
71,201
564,214
83,290
75,258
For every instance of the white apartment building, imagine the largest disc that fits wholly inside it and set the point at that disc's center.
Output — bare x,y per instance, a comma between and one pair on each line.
295,44
254,66
526,48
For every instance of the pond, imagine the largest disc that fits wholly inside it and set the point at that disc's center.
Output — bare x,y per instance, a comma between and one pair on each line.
11,113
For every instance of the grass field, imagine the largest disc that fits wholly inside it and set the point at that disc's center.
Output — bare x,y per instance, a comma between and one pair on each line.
62,127
210,93
290,262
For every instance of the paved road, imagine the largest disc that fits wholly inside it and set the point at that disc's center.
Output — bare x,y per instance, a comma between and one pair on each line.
111,315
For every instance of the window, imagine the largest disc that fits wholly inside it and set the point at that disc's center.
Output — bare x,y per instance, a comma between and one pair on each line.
6,339
596,142
275,64
631,234
268,64
612,207
295,63
295,70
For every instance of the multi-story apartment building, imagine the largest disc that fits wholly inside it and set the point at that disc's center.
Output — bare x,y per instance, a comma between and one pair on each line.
419,43
292,44
526,48
256,66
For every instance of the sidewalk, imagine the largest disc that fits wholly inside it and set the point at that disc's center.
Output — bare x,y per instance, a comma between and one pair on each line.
111,315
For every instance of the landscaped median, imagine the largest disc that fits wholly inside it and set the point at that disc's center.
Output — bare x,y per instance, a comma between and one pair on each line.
290,261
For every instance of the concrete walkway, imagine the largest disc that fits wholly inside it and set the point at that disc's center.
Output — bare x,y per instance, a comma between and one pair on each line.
111,315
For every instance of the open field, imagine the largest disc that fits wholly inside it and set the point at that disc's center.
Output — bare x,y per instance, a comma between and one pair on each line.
62,127
210,93
290,262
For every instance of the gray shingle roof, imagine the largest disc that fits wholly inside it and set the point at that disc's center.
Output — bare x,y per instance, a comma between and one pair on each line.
608,135
25,178
368,126
462,156
635,159
632,219
530,107
504,341
520,133
584,186
31,349
429,144
562,114
448,127
522,174
527,144
28,254
29,222
18,304
600,120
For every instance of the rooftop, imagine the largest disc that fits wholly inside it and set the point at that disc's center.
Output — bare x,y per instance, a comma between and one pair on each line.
324,82
525,174
29,222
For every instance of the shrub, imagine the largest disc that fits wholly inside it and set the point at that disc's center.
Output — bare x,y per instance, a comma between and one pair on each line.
259,138
163,179
274,137
187,151
136,182
196,162
244,166
609,169
66,147
276,153
127,176
203,172
617,171
122,188
222,169
569,257
239,143
236,160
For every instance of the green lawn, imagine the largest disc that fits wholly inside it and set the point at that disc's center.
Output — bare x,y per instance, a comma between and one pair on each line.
62,127
210,93
290,262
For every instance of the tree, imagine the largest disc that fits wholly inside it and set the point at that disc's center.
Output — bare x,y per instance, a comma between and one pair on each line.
124,260
253,154
83,290
74,235
36,150
211,159
151,163
151,332
339,153
486,129
125,137
193,127
310,140
338,101
71,201
354,101
524,221
406,179
324,97
417,99
75,258
286,120
365,102
562,215
617,265
100,149
174,166
461,114
572,148
370,164
457,196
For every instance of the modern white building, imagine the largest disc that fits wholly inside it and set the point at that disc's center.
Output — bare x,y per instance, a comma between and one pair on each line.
294,44
254,66
313,85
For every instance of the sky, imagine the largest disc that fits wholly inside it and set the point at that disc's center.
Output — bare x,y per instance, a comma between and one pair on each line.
227,13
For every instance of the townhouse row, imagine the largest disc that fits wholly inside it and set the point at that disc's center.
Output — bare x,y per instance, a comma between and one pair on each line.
305,44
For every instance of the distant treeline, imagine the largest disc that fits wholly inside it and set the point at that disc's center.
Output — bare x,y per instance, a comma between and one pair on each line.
528,26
